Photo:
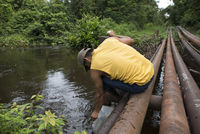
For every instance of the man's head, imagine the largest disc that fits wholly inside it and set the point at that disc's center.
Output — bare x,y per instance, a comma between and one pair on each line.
85,57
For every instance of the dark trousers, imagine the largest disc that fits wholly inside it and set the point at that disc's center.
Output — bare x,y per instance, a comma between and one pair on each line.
110,85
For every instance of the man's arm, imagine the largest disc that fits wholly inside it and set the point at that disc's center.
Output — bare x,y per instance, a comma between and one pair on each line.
124,39
96,77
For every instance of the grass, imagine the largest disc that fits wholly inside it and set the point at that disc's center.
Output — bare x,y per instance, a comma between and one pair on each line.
140,35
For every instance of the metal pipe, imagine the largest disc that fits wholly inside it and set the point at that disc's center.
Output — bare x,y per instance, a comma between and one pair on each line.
192,52
109,122
193,38
103,128
183,29
190,90
155,52
107,125
155,102
132,117
173,116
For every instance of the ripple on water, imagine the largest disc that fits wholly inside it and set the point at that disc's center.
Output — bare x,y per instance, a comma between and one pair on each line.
64,98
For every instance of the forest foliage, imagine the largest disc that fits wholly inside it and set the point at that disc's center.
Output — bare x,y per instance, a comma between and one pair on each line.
78,23
29,118
75,22
184,13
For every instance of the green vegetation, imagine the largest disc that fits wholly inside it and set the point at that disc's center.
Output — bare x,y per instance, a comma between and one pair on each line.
78,23
26,118
184,13
85,32
34,22
75,23
82,132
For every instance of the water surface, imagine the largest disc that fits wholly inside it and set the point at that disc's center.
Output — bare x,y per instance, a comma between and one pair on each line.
56,74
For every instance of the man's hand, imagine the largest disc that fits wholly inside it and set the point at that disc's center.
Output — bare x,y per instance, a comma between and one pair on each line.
124,39
94,115
111,33
96,77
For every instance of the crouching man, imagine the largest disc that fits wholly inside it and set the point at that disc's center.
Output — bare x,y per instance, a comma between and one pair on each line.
115,64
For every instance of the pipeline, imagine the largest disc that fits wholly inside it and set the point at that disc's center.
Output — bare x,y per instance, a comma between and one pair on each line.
190,90
197,38
155,52
193,38
131,119
109,122
173,116
192,52
107,125
155,102
183,29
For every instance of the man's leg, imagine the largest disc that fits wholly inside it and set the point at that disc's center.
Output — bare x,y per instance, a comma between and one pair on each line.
112,84
109,97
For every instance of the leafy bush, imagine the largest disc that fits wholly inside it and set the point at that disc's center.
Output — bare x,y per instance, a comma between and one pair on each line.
127,29
41,22
14,40
107,24
82,132
23,119
54,22
22,19
85,32
6,13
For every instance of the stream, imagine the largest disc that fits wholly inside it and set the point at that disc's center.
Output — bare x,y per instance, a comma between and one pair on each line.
56,74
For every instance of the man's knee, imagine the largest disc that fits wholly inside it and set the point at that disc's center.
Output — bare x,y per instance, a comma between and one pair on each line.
108,98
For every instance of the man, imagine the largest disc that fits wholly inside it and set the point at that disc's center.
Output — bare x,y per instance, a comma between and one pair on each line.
115,64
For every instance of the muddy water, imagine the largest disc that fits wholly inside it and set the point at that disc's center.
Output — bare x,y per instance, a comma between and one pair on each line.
54,73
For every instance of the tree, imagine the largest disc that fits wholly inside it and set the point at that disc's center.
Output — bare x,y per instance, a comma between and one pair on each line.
185,12
134,11
6,13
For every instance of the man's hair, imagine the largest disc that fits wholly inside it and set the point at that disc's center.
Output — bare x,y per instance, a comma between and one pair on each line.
89,53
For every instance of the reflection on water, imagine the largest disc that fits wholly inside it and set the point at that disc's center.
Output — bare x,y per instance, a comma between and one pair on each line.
160,78
63,96
54,73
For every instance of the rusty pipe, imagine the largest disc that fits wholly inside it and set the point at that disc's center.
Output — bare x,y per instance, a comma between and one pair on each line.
155,102
155,52
131,119
191,37
109,122
107,125
186,32
173,116
190,90
192,52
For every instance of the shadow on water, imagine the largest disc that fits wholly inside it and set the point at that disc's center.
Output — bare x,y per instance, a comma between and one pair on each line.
66,87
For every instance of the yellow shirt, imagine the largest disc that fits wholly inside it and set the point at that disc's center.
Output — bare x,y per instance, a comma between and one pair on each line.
122,62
